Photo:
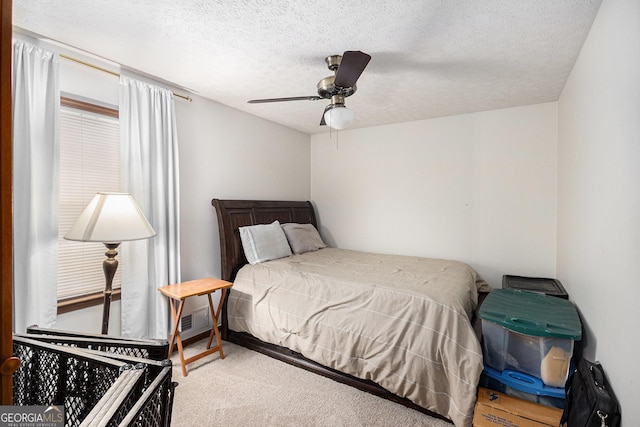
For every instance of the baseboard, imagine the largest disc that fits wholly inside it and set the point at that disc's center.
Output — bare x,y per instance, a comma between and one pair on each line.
194,339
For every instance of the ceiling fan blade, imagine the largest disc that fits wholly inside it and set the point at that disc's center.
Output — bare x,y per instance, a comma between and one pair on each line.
351,67
291,98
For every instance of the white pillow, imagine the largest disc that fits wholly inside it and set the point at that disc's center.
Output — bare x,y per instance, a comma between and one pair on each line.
303,237
264,242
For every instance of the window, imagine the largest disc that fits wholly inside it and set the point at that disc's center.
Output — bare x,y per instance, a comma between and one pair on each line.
89,162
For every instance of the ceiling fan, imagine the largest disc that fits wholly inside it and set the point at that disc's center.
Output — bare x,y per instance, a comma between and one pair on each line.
347,69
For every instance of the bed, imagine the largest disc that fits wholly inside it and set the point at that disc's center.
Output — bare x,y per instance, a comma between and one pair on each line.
345,315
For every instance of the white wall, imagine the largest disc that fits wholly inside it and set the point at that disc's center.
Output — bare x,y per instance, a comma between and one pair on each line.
228,154
479,188
599,197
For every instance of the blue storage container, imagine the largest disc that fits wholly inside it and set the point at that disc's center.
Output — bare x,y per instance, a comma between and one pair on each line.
524,386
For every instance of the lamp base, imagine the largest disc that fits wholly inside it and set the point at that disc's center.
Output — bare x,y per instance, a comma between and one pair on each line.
109,266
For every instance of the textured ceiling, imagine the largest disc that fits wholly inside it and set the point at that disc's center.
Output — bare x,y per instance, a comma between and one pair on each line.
430,58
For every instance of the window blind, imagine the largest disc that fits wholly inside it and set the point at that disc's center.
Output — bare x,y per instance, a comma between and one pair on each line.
89,163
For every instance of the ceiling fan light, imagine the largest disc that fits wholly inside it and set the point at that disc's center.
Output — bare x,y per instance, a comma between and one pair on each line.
338,117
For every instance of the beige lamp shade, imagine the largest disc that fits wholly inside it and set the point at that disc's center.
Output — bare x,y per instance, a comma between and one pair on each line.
113,218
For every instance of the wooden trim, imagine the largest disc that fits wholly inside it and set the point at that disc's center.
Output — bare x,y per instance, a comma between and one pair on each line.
194,339
78,303
87,106
6,209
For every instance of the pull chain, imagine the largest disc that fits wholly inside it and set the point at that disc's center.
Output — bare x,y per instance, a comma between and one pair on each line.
337,136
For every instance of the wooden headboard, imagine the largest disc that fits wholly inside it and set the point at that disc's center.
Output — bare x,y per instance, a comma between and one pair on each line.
233,214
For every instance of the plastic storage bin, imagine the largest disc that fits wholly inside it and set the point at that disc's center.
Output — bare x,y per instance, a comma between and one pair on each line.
529,332
551,287
523,386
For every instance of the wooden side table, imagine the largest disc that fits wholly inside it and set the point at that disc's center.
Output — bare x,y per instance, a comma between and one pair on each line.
180,292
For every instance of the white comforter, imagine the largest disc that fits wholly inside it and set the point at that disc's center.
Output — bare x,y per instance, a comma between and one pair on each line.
403,322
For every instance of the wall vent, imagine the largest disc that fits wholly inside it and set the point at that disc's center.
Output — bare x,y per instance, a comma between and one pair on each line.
186,322
195,322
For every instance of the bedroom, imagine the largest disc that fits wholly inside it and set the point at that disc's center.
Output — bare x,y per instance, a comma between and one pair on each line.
562,203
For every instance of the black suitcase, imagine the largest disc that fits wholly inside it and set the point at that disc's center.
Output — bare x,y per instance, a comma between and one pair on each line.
590,401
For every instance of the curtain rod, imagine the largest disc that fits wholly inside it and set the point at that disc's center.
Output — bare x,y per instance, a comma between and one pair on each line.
188,98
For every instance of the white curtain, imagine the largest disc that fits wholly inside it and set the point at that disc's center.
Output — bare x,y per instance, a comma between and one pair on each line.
36,105
149,171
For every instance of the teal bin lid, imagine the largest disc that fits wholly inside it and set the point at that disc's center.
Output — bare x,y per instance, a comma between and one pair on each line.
532,313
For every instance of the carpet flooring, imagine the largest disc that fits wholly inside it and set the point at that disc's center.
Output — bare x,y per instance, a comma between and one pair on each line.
249,389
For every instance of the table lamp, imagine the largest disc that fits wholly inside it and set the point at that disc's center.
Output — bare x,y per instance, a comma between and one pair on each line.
110,218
